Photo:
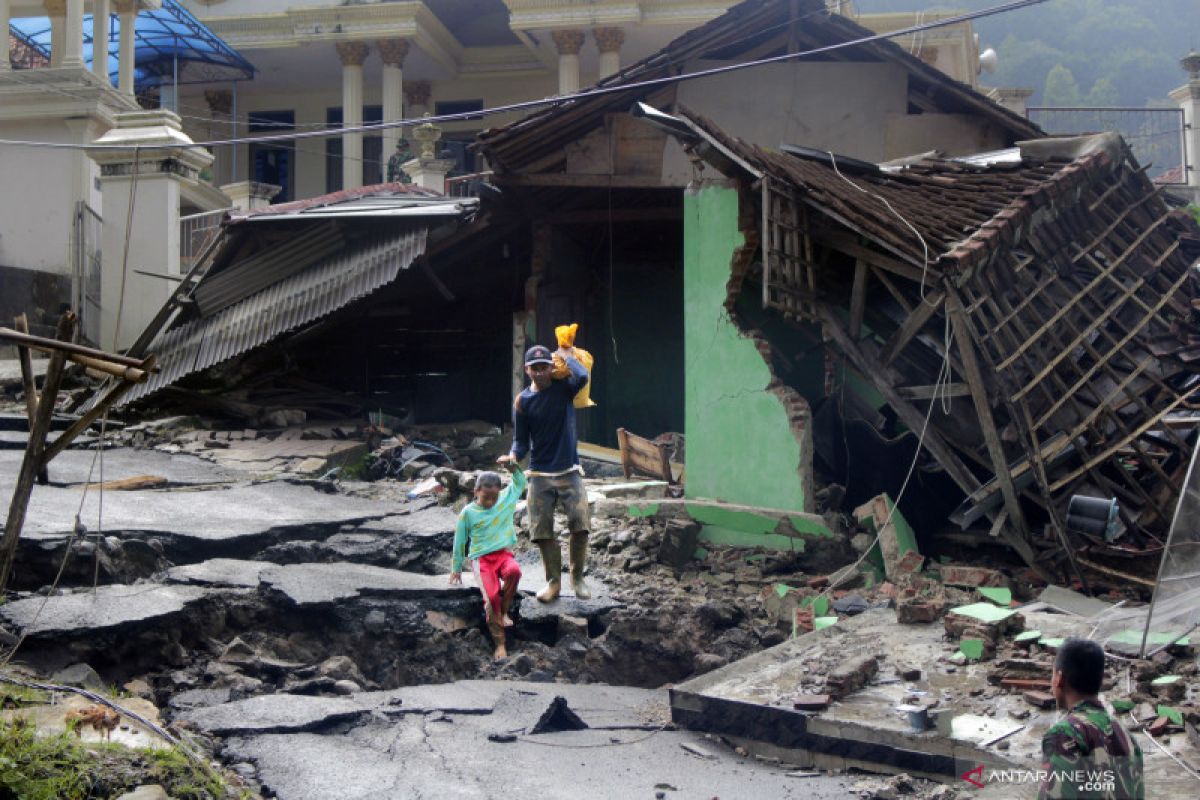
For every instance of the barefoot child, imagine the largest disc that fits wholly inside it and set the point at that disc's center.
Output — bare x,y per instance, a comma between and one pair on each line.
485,536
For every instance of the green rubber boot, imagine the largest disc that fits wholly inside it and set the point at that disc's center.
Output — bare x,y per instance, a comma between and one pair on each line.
579,543
552,562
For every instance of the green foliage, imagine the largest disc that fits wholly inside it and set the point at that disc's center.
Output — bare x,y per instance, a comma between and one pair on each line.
1133,45
1061,88
1103,93
61,767
1194,210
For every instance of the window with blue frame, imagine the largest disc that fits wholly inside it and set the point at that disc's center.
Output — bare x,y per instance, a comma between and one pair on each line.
273,162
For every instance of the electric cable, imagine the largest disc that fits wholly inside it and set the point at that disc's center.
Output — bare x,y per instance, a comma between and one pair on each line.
596,91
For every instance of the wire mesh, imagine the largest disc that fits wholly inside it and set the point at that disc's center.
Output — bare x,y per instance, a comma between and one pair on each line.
1174,612
1154,134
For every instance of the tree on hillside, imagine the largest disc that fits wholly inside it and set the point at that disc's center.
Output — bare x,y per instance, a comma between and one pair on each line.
1061,88
1103,93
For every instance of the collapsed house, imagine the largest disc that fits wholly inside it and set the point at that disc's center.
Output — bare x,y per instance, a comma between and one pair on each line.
1071,384
1029,314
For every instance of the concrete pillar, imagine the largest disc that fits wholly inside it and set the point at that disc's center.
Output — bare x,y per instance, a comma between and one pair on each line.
5,17
56,10
427,170
73,34
1015,100
352,54
417,94
220,107
128,10
101,12
568,43
393,52
608,42
152,181
1188,98
250,195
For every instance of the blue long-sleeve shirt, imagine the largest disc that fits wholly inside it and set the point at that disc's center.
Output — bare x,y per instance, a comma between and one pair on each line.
544,422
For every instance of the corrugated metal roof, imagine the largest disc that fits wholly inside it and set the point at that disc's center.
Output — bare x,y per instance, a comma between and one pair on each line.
244,278
297,300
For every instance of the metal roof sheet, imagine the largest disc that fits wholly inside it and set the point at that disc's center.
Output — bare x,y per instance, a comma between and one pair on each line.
290,303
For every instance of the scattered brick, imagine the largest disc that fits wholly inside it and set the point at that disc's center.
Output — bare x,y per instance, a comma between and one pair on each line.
1023,684
958,575
812,702
1039,699
851,676
1159,726
912,610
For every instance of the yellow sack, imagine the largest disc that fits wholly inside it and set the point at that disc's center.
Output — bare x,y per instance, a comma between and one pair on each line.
566,338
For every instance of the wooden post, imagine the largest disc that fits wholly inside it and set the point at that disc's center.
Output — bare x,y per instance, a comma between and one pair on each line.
33,451
21,323
80,425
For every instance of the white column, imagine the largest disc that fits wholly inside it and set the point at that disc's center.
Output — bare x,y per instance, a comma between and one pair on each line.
73,34
568,43
608,42
352,54
101,11
153,240
5,17
393,52
1188,98
57,11
128,12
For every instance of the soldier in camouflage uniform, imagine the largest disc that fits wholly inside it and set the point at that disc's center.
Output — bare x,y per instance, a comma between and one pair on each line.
1087,754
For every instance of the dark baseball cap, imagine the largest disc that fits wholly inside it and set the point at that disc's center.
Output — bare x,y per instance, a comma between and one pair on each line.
538,355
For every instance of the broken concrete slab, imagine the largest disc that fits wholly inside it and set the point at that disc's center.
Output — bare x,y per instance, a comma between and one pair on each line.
321,584
111,609
1071,602
276,713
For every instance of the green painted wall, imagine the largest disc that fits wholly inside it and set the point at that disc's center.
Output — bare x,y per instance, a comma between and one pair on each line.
740,448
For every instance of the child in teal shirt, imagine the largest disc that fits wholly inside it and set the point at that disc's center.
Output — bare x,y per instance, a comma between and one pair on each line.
485,536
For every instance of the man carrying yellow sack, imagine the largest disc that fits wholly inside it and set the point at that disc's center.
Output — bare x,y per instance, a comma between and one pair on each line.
544,427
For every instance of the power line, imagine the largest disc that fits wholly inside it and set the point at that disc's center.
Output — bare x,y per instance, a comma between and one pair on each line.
557,100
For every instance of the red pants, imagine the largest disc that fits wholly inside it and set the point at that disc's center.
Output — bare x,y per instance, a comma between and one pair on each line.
493,568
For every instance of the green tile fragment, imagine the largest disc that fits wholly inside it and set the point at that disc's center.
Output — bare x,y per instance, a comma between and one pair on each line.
971,648
1165,680
820,623
700,554
1027,636
984,612
1121,706
999,595
782,589
1173,714
1053,644
820,606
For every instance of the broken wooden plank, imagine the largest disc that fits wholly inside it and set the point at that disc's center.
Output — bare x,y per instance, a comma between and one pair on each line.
132,484
643,457
935,391
877,376
53,345
32,460
928,306
858,297
983,410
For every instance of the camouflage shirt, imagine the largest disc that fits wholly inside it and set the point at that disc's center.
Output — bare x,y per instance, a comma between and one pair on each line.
1089,755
